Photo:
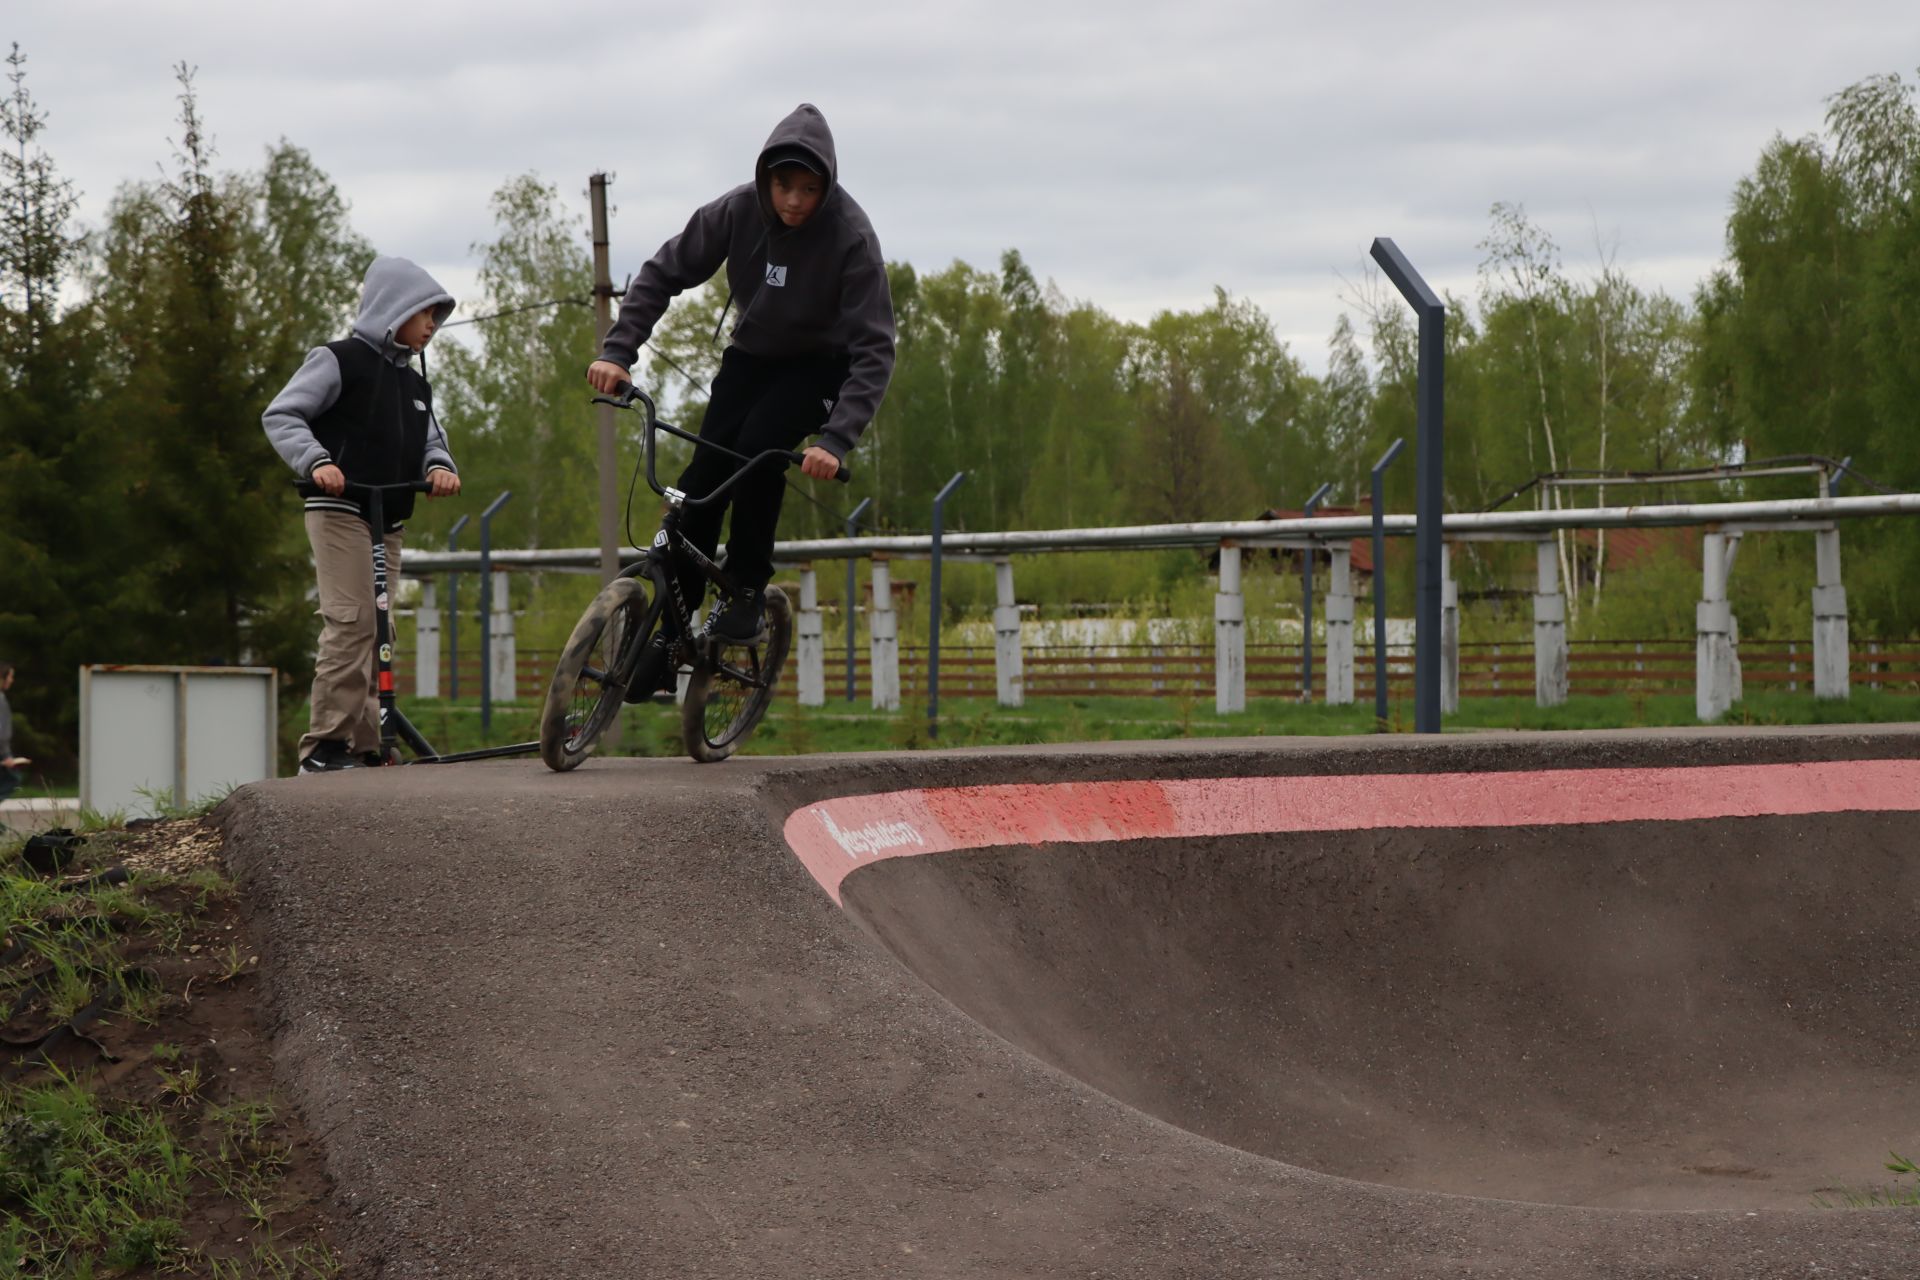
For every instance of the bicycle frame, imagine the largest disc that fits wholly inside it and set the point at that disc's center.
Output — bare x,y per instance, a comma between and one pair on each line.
670,542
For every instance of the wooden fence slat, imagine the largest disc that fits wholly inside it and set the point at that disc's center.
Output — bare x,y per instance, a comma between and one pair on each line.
1186,671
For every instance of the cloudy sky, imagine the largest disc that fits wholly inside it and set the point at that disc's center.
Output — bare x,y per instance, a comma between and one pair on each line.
1137,153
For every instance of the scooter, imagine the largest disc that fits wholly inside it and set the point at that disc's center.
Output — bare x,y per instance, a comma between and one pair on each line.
394,725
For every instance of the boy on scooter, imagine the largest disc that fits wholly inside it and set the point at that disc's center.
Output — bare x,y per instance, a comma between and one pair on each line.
357,411
810,355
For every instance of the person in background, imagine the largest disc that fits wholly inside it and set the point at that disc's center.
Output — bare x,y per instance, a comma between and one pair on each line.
10,764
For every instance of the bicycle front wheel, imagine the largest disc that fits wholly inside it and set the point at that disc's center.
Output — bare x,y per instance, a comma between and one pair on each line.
588,685
732,686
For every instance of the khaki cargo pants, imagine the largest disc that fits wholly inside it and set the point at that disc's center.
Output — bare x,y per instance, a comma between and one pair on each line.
345,701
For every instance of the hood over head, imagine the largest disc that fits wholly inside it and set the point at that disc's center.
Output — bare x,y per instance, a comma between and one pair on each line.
805,132
394,291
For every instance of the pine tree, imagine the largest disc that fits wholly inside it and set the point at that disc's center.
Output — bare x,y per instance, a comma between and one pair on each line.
196,277
59,517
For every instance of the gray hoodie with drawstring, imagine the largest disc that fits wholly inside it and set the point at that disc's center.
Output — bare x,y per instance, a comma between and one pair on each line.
815,288
303,423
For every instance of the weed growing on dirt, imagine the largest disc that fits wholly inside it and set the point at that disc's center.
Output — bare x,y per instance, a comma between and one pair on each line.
86,1183
1894,1195
107,1169
164,808
908,731
798,736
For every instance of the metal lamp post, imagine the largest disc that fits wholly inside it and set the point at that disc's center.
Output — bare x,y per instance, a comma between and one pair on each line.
1429,434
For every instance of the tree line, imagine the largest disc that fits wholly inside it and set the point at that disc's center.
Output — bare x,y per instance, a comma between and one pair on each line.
144,519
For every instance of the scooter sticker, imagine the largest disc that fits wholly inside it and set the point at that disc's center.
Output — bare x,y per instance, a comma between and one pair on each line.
386,653
380,601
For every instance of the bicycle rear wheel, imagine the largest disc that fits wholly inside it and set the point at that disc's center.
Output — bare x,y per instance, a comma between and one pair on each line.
732,687
587,689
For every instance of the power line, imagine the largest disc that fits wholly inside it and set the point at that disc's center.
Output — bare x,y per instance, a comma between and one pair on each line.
692,381
514,311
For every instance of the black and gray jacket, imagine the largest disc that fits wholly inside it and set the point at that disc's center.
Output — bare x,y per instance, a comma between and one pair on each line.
817,288
359,404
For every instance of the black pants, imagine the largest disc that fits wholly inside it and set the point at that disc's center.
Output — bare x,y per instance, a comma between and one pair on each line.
759,402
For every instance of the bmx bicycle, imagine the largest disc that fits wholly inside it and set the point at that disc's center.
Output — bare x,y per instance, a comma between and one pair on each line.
730,684
395,728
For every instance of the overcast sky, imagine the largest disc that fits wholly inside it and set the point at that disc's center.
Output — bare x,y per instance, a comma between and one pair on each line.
1137,153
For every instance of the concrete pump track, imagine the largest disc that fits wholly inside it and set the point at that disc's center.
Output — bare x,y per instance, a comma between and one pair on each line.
1612,1004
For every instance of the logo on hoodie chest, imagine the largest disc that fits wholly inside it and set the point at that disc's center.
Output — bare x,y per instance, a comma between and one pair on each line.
776,276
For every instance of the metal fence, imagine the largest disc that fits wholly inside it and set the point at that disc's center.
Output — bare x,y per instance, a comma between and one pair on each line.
1488,670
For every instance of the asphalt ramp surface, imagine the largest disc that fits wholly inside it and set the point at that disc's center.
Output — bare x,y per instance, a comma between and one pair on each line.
609,1024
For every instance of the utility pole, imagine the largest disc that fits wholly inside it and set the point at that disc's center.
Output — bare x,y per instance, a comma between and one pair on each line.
603,321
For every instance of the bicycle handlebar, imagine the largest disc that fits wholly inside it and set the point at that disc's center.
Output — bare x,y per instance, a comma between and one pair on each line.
625,400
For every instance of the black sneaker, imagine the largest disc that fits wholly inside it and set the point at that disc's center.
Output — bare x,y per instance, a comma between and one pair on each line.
655,672
329,755
743,619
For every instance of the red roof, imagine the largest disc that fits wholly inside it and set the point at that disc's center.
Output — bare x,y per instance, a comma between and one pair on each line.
1361,549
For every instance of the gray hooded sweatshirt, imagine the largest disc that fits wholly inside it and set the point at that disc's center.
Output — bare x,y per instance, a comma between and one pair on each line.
394,291
820,287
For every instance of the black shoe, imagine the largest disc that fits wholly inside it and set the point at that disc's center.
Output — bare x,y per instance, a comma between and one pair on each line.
655,672
743,619
373,759
329,755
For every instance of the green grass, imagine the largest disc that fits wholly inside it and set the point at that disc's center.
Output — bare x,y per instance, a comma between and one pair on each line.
840,726
92,1187
104,1174
87,1185
38,788
1893,1195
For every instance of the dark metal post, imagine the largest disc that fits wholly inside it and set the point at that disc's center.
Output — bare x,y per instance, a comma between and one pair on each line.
453,614
486,610
1306,595
1429,433
933,608
1380,581
853,528
1830,480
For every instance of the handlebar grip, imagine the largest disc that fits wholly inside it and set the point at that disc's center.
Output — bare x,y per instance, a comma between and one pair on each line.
620,399
843,475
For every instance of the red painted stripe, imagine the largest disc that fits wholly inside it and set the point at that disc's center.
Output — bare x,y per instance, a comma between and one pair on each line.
835,836
386,682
